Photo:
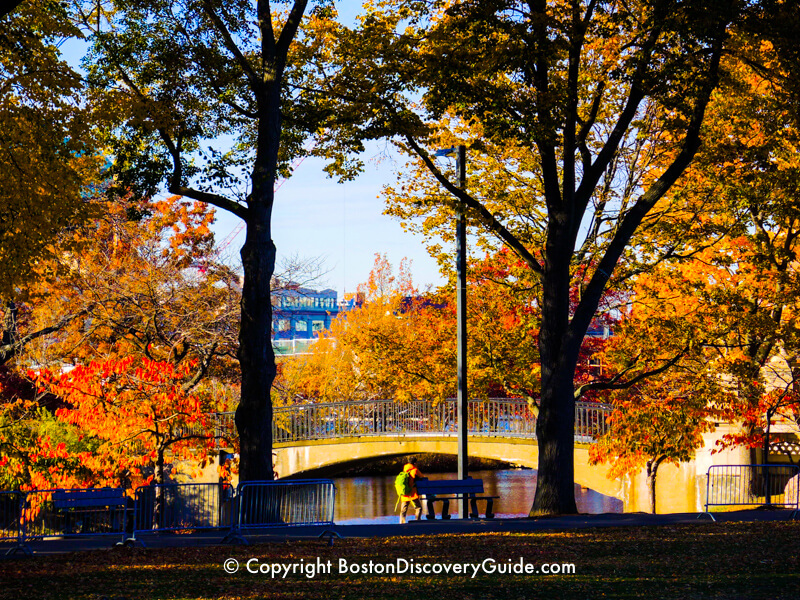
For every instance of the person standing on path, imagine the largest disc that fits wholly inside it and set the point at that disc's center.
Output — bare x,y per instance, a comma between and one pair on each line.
413,497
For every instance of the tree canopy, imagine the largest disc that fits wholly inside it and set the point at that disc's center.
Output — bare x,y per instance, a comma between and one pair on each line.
49,156
578,116
125,355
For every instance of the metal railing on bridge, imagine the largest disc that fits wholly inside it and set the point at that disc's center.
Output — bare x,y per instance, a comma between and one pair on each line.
499,417
494,418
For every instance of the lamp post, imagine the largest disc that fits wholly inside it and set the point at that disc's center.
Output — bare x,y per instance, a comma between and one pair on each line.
460,153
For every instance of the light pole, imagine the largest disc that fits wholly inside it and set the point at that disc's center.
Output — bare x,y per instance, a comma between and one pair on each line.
460,153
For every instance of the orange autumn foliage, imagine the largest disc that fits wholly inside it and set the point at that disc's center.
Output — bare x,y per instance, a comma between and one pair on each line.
138,410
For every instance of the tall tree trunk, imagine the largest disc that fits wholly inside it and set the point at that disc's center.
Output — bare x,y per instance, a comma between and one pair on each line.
555,491
256,355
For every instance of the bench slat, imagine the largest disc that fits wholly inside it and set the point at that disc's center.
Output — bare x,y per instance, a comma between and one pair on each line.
88,498
450,486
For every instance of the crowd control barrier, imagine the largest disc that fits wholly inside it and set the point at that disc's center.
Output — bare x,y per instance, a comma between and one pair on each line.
11,518
182,507
753,485
264,504
173,507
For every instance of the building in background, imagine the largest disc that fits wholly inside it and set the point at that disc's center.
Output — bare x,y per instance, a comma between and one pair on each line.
299,315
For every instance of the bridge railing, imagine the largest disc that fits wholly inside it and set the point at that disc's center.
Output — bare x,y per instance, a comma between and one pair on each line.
495,417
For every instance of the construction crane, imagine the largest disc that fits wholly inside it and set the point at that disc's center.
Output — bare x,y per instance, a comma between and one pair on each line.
232,235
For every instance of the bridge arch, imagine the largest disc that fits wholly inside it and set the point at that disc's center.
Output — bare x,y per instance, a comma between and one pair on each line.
295,458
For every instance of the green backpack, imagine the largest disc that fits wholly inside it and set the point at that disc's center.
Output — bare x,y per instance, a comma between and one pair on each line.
403,486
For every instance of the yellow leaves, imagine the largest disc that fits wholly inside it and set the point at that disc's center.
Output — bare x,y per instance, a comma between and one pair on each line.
49,157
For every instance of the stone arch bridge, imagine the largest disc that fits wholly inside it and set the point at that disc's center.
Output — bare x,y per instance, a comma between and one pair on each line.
318,436
311,437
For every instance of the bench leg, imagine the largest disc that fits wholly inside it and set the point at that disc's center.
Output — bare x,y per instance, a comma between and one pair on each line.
445,509
473,503
431,509
490,508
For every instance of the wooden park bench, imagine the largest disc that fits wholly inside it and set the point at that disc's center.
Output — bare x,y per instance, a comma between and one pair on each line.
455,489
86,509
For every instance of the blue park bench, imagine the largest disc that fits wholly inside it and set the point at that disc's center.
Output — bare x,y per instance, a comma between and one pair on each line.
455,489
91,510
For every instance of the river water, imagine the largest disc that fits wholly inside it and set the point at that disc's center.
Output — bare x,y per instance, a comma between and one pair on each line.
372,499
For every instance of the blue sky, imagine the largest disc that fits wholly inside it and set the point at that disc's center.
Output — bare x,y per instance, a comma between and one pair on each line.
315,216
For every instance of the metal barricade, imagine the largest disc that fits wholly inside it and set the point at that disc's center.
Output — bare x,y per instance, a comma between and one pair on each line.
753,485
183,507
80,512
11,518
263,504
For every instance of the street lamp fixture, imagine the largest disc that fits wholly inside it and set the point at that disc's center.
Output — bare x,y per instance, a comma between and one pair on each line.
460,154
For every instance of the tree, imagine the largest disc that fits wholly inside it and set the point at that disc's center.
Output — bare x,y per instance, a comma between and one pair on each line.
753,167
664,389
138,409
396,344
742,288
574,102
144,290
186,73
661,420
49,162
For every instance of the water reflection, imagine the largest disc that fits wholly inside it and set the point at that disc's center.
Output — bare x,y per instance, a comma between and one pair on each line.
372,499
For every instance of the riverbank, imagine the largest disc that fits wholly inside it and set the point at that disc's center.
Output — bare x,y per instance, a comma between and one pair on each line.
730,559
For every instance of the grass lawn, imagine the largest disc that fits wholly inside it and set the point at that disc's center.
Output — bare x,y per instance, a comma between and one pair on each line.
714,560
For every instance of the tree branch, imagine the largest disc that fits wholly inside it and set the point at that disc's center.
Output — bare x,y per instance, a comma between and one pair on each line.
485,216
691,143
289,31
255,81
614,384
10,350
